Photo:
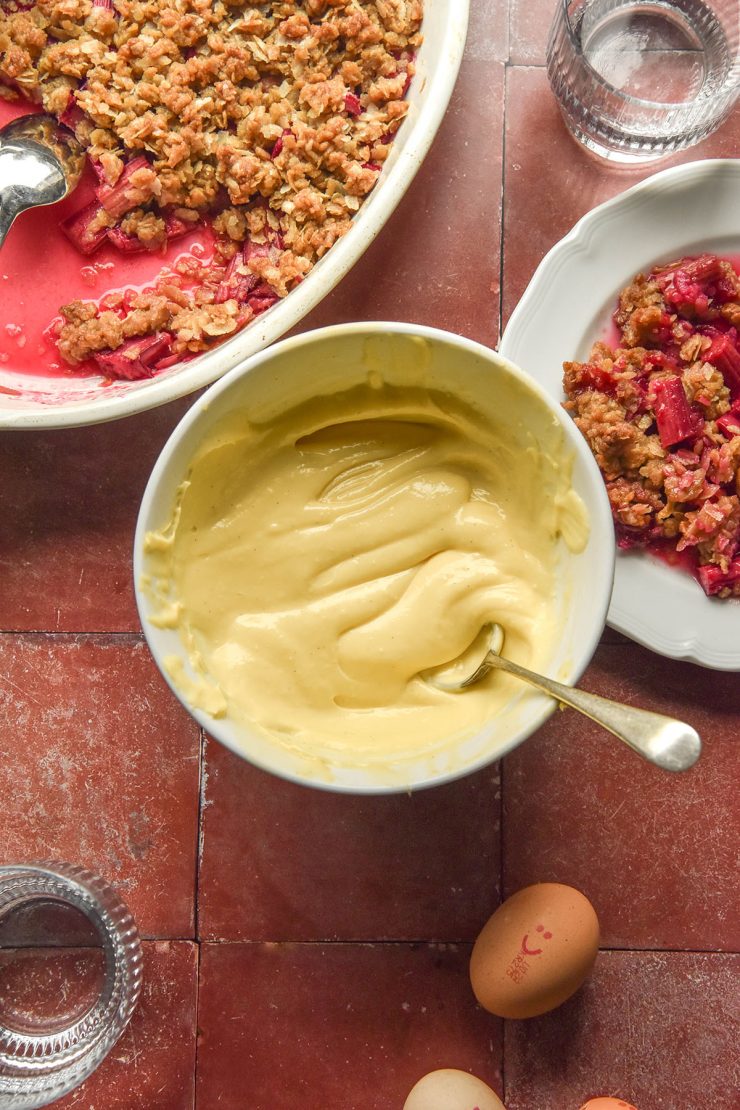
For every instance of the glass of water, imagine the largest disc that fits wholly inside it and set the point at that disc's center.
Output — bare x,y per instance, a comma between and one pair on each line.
61,1008
639,79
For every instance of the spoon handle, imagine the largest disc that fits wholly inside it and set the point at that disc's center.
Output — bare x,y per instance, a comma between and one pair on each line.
670,744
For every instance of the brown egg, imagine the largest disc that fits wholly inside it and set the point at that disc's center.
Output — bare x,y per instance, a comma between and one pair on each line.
450,1089
607,1104
535,952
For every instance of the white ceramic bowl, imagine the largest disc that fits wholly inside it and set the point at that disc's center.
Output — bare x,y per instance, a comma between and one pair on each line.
333,359
66,402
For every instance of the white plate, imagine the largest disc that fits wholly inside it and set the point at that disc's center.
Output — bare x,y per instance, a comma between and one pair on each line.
64,402
683,210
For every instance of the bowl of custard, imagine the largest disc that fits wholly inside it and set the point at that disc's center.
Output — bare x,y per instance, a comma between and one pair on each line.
337,519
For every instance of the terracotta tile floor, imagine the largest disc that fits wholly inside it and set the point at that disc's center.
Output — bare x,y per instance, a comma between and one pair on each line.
309,950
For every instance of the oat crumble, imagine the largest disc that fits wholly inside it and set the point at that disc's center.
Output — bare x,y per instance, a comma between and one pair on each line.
270,122
661,413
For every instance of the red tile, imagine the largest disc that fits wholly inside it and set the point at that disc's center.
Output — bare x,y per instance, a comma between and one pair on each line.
283,862
335,1026
437,261
655,852
529,26
99,765
551,181
42,988
68,505
153,1065
657,1029
488,30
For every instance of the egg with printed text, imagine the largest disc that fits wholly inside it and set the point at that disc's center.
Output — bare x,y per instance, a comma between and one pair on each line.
535,951
450,1089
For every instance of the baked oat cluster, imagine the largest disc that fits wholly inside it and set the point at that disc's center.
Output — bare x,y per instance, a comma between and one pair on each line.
661,412
267,122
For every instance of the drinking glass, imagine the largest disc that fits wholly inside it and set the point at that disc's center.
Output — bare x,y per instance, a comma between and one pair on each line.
53,1037
639,79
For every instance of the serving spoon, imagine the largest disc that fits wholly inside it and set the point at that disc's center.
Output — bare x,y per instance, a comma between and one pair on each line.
41,162
664,741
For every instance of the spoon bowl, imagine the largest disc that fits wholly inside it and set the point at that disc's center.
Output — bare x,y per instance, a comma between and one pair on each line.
664,741
41,162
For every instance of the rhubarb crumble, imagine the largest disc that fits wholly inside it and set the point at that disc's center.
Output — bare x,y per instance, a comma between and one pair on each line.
265,123
660,409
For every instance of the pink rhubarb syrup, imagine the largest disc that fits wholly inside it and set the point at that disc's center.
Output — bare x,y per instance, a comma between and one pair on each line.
40,270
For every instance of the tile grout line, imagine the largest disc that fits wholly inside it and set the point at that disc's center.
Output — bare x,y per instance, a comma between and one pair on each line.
66,634
196,908
197,1018
503,210
502,762
395,942
202,780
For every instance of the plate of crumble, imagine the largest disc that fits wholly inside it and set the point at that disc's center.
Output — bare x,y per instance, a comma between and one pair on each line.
240,159
633,322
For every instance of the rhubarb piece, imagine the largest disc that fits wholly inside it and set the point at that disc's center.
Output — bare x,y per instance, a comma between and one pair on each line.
659,360
675,418
175,228
103,4
724,354
714,580
136,358
278,147
128,244
169,360
238,283
72,114
684,286
88,228
704,268
590,376
98,171
729,423
352,104
122,197
262,298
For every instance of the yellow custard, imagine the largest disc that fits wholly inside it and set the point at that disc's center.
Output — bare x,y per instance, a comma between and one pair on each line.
315,564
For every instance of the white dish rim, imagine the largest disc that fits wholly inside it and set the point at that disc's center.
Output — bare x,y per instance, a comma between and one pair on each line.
692,645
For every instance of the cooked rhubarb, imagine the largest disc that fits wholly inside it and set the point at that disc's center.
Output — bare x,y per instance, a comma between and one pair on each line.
716,581
725,355
88,228
134,187
352,104
253,133
126,244
661,412
676,420
136,358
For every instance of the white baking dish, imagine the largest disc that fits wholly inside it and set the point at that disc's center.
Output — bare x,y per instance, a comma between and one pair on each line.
65,402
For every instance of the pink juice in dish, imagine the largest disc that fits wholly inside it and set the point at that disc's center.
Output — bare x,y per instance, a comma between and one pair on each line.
40,270
214,187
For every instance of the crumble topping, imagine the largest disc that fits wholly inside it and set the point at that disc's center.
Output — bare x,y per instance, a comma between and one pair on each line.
268,121
661,413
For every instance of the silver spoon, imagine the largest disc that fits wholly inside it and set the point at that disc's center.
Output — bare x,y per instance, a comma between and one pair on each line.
670,744
40,163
